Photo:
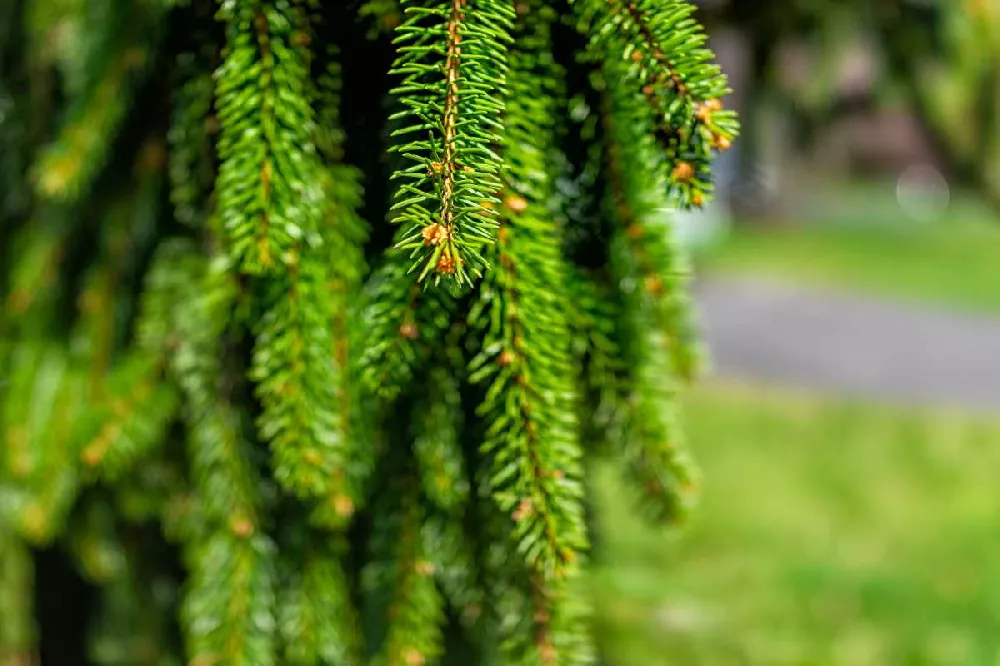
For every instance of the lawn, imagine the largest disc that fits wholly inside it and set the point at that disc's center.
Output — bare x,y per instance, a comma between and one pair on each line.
860,239
829,534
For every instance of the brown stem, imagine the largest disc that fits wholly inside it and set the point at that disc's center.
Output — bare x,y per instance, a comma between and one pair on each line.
452,72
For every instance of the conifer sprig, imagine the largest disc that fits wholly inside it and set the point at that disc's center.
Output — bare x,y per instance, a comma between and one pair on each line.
402,321
451,58
414,614
69,165
656,323
661,51
192,167
316,619
267,189
530,438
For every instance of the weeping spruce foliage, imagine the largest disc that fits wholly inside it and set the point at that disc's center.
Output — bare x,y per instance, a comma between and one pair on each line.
316,315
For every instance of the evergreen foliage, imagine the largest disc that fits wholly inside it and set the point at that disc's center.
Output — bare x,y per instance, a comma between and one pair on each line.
315,314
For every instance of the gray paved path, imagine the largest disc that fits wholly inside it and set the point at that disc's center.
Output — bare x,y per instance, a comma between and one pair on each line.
851,344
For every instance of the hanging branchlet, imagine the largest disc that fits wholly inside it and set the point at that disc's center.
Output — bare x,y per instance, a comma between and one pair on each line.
656,327
223,466
414,612
604,371
661,272
229,609
451,58
402,321
344,234
130,418
39,475
530,435
438,425
268,191
316,616
300,363
34,274
192,131
660,50
69,165
17,632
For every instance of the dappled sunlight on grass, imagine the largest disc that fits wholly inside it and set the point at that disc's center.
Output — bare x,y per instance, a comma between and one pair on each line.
829,534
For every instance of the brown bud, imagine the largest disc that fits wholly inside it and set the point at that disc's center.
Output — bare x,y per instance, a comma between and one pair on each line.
722,142
412,657
434,234
697,199
153,156
683,171
523,510
446,264
409,330
654,285
507,357
547,652
92,455
343,505
241,527
516,204
714,104
634,231
423,568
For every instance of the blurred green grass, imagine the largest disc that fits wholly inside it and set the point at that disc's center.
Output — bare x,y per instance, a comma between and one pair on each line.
829,534
861,240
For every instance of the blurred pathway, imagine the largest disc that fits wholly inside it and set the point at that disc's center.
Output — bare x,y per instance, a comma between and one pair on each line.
868,348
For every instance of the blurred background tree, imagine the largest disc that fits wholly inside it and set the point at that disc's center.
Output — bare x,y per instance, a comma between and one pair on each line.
882,83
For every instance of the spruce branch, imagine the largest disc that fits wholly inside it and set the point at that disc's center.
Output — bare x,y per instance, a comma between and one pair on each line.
453,99
223,465
438,421
68,166
39,479
656,326
315,617
639,212
660,50
604,371
528,407
17,632
267,187
437,445
414,614
402,322
192,168
130,418
228,610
